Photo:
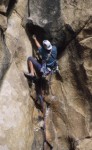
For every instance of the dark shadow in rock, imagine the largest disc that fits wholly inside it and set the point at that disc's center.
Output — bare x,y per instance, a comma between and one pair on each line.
58,76
72,143
78,70
41,88
1,2
37,88
67,36
32,29
3,13
40,34
10,7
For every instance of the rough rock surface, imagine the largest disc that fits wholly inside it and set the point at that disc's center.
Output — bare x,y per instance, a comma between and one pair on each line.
68,105
69,27
16,106
4,5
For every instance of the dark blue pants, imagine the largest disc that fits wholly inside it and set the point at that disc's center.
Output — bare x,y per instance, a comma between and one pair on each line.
35,63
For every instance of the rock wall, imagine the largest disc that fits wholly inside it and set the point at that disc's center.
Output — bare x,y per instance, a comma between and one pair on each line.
68,24
68,124
16,106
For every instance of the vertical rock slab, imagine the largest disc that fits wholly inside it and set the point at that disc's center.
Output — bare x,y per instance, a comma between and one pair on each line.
76,13
72,106
16,128
20,47
15,112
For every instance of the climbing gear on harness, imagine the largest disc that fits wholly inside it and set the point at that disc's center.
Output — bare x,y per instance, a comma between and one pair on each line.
45,69
49,70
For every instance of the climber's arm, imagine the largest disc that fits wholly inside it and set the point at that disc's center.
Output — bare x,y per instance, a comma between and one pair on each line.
36,42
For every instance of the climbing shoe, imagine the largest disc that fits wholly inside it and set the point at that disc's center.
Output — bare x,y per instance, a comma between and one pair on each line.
29,76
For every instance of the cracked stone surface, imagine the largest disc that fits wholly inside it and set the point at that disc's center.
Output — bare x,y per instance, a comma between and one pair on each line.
68,106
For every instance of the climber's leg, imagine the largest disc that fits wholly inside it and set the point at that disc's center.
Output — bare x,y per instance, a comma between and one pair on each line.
33,65
31,68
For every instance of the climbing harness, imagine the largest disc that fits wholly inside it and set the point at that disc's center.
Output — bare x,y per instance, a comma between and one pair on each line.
45,70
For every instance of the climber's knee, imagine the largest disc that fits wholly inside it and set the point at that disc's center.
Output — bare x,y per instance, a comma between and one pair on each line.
35,63
29,59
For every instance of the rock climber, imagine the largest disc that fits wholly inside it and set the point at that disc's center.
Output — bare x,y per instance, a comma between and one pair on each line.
49,56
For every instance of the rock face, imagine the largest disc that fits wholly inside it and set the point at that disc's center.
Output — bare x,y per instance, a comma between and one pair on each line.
48,16
69,117
4,5
16,128
68,101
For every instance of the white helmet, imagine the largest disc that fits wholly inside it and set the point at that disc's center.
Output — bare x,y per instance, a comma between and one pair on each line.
47,44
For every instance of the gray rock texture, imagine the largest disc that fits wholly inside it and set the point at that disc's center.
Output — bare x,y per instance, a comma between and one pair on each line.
68,101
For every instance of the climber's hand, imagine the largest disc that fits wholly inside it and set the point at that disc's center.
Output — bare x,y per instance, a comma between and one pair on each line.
36,41
34,37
